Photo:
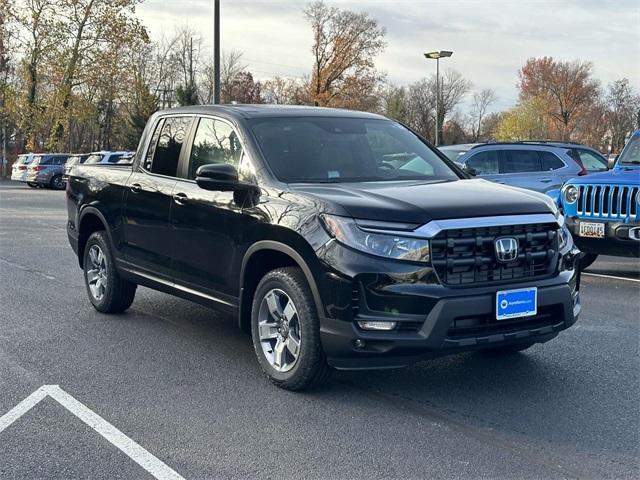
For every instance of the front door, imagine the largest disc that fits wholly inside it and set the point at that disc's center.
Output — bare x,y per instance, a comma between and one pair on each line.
208,225
148,200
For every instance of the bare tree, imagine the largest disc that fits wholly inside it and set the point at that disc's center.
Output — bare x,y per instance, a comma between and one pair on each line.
284,91
452,89
344,46
231,66
623,106
420,108
481,102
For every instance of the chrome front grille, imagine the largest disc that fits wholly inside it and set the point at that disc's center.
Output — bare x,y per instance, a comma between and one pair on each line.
612,202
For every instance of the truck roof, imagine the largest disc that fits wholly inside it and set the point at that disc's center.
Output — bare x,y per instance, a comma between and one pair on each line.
256,111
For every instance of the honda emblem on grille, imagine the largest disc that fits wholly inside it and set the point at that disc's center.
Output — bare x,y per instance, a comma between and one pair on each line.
506,249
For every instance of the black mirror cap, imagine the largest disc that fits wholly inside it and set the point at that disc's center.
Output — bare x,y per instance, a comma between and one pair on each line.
221,177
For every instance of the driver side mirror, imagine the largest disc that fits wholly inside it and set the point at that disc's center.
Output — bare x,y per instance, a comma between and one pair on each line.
221,177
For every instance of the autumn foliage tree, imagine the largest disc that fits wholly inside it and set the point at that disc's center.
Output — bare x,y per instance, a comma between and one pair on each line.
344,46
566,90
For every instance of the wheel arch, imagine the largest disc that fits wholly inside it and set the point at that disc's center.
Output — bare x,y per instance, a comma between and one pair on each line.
90,220
260,258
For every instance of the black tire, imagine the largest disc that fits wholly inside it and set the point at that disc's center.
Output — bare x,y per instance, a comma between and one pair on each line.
587,260
507,350
118,293
57,183
311,368
32,184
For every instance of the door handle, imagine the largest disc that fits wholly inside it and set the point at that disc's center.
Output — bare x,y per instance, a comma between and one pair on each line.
181,198
135,188
546,180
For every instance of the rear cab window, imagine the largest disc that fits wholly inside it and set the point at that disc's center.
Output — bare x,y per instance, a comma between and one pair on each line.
166,144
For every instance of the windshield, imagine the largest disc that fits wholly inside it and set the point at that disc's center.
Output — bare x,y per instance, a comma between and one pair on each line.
95,158
631,153
336,150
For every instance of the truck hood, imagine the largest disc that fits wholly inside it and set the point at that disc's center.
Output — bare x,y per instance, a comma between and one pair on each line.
419,203
619,176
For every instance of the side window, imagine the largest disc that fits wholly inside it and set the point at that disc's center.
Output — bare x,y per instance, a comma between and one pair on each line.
550,161
215,142
167,152
521,161
484,163
592,162
114,158
148,159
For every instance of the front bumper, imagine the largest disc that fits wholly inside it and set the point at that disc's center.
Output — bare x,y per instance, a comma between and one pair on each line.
434,320
620,238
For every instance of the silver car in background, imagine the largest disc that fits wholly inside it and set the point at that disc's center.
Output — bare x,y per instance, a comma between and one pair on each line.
19,169
46,170
535,166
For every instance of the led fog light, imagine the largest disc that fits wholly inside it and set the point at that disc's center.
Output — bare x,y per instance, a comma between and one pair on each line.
367,325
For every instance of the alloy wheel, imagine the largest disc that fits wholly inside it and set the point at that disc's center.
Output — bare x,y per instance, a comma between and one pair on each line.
97,274
279,330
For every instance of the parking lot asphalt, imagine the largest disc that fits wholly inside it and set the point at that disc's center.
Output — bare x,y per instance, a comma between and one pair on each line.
182,381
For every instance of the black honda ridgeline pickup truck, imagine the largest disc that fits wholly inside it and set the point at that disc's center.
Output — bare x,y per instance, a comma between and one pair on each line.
339,239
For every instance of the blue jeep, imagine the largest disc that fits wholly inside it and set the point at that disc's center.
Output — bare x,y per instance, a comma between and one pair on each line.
601,210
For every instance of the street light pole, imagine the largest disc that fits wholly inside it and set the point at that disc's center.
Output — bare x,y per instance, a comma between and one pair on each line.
437,99
437,56
216,52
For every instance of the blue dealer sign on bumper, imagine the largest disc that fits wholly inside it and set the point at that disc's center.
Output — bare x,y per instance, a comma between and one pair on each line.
516,303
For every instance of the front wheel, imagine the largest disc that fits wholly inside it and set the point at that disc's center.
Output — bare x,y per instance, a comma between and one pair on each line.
588,260
286,331
107,292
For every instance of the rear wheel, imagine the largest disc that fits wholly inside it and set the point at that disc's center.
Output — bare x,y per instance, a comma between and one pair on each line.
107,292
57,183
588,260
286,331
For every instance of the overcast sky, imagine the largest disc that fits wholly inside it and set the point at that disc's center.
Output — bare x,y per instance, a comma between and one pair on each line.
491,39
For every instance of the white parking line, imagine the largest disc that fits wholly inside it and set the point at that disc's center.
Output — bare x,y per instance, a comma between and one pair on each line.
611,276
138,454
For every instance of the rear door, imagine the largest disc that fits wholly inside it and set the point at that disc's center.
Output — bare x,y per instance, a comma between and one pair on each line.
523,168
148,199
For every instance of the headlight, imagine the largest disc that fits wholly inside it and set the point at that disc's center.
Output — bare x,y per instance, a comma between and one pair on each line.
570,194
565,236
346,231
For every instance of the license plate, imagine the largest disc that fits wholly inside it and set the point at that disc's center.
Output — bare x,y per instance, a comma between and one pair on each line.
516,303
591,229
